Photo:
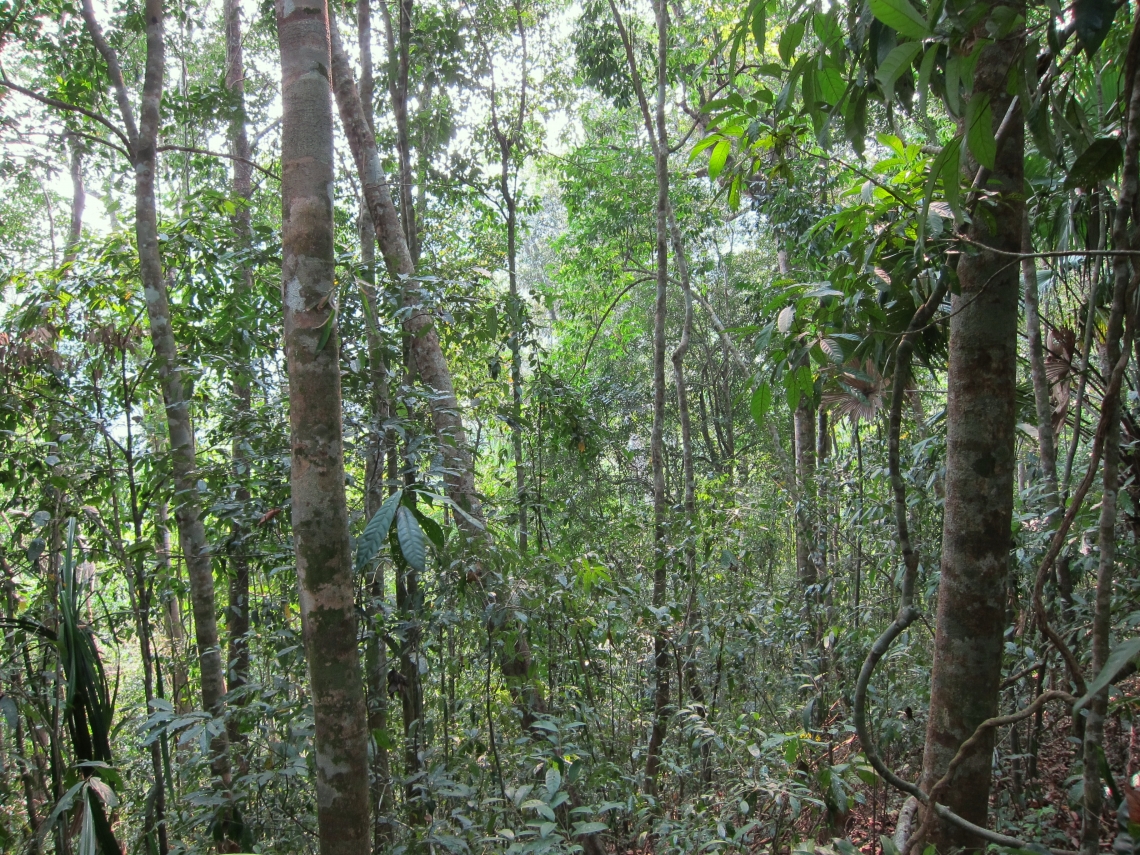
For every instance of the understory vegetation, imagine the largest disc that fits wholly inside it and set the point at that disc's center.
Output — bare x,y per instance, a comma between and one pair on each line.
538,427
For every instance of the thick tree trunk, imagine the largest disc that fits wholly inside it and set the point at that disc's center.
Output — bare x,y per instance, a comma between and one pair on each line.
980,465
237,612
375,652
320,511
192,533
657,450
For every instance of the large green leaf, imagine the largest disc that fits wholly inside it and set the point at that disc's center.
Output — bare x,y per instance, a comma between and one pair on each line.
719,158
902,17
1096,163
891,68
1093,19
761,401
411,538
1118,660
368,544
980,130
790,40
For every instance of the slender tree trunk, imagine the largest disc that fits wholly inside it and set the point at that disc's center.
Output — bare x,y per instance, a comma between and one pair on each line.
514,312
980,464
804,423
78,199
1046,443
429,360
192,534
237,613
1102,611
376,652
320,510
657,450
172,615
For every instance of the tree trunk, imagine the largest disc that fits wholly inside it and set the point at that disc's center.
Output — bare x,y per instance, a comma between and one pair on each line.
1046,442
237,613
376,652
657,450
980,465
320,510
78,199
191,532
807,571
428,358
1102,610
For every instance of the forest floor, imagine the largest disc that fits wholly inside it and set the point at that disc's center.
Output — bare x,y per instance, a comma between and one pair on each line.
1044,809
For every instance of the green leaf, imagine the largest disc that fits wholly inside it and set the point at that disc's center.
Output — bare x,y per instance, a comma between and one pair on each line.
954,84
891,68
1118,659
980,130
761,402
1093,20
900,16
581,828
947,159
831,84
759,24
1096,163
553,781
411,538
368,544
719,158
791,390
431,528
790,40
326,331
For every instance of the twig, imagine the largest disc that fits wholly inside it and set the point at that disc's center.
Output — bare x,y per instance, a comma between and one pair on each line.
189,149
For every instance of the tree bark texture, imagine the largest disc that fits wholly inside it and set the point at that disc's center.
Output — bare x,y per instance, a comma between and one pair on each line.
188,509
430,362
807,570
980,467
320,511
657,449
237,613
375,652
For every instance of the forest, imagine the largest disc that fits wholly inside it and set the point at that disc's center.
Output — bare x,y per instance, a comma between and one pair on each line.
435,427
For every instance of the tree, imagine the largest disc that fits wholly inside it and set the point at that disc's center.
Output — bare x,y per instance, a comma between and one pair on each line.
319,509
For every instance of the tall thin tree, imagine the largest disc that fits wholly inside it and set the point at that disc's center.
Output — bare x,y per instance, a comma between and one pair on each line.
317,477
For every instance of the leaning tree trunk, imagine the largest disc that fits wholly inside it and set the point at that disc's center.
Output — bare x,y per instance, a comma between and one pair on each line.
237,612
429,360
980,465
143,139
320,509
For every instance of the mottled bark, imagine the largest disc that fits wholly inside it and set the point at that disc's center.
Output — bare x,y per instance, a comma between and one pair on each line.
188,510
237,611
419,325
656,447
430,362
980,465
320,510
